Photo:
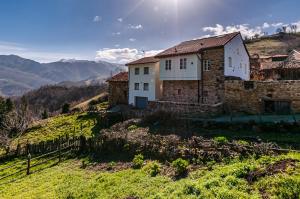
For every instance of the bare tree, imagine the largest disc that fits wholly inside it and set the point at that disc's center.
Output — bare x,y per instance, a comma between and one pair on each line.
14,123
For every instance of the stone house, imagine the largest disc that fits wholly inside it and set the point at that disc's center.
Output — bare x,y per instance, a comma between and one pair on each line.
189,76
194,71
118,89
277,67
144,82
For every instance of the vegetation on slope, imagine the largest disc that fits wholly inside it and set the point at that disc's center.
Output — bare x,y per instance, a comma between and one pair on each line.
68,124
224,180
282,44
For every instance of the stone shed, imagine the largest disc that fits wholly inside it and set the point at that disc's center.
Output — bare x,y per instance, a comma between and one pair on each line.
255,97
118,89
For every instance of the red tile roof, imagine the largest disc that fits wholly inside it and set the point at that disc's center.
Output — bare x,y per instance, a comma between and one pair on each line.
120,77
194,46
145,60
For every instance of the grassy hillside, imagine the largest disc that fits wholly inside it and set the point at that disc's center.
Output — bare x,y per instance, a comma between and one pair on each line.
73,125
266,177
274,45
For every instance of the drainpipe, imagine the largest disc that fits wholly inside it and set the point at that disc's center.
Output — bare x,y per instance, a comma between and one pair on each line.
200,57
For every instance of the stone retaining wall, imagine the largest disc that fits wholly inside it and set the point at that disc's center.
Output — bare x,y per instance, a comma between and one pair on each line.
249,97
186,108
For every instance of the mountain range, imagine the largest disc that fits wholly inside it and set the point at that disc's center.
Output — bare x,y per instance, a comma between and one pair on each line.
19,75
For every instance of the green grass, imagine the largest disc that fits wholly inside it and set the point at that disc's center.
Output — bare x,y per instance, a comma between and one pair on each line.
68,180
60,125
283,139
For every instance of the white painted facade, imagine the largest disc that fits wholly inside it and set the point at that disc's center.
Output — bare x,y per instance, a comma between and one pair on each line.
155,85
191,72
240,63
234,50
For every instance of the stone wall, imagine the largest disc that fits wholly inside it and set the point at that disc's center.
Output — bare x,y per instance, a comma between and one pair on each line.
188,90
186,108
251,100
118,93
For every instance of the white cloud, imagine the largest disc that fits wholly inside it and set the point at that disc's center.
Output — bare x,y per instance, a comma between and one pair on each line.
97,19
277,24
132,39
136,27
116,33
123,55
266,25
245,30
120,20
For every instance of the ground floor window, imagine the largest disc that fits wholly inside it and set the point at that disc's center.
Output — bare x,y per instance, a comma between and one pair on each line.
277,107
146,86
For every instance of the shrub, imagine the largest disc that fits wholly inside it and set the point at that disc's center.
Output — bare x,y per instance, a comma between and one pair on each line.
180,165
152,168
243,142
221,140
65,108
111,165
132,127
138,161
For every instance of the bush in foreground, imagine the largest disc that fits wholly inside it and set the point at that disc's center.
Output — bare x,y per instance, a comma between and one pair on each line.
152,168
138,161
180,165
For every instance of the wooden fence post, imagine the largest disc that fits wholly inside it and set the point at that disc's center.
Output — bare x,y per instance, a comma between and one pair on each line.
28,164
59,149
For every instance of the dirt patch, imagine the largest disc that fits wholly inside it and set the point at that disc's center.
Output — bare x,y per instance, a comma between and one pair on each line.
110,166
272,169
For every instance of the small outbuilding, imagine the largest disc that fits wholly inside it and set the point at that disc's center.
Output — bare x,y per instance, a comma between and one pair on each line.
118,89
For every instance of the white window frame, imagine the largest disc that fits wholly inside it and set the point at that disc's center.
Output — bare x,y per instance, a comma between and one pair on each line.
207,65
168,63
136,86
146,88
183,63
137,71
148,70
230,62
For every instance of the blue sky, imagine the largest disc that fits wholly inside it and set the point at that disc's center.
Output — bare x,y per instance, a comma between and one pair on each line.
122,30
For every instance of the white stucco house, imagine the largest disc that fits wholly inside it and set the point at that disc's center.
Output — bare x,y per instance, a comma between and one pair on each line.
144,82
191,72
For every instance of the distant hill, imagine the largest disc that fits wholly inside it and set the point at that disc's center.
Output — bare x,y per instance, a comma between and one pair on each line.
52,98
274,44
19,75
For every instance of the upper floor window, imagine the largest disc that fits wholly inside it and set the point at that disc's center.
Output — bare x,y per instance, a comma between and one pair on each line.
230,61
168,64
146,70
146,86
207,65
238,51
136,86
137,71
183,63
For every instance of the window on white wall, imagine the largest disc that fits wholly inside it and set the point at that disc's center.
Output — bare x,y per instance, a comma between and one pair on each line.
136,86
207,65
146,70
137,71
238,51
168,64
183,63
246,69
230,61
146,86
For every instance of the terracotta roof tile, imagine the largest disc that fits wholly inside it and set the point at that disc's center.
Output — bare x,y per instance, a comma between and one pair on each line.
193,46
145,60
120,77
